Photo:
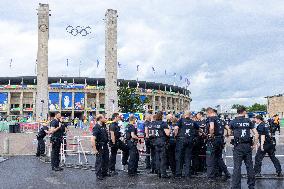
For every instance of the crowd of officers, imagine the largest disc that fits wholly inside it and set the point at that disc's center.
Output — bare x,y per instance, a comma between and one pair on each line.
185,145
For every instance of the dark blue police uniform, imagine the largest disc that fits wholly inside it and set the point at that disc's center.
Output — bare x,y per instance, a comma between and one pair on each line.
186,137
151,143
56,140
199,149
133,151
242,151
118,145
40,139
171,148
102,157
214,159
269,148
148,146
160,142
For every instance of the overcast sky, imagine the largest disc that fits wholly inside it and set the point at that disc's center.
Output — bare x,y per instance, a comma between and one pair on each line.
231,50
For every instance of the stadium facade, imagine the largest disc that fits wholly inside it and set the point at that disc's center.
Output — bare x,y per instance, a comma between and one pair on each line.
75,97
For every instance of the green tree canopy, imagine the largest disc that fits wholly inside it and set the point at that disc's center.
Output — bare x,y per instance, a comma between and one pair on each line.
255,107
129,100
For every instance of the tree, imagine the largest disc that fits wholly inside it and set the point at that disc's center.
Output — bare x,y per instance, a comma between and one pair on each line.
257,107
237,106
129,100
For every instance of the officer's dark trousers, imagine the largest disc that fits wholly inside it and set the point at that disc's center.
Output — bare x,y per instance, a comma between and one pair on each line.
242,152
153,155
171,151
102,159
161,156
148,152
133,157
183,156
55,154
40,147
214,159
270,150
197,158
118,145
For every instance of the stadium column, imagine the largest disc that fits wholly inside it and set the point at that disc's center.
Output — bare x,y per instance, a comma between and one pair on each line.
154,103
85,103
60,101
21,103
166,104
111,98
9,103
73,105
171,103
34,103
160,103
176,104
97,103
42,62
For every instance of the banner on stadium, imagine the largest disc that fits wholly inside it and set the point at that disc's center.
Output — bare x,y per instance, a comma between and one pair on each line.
3,101
79,101
66,102
53,103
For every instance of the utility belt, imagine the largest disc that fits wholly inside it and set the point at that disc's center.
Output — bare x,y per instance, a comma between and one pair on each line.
237,141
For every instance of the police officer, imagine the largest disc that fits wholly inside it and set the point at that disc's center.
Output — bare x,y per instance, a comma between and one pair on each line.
40,138
100,147
116,144
214,159
161,130
147,122
57,129
150,140
266,146
171,146
186,133
199,150
131,140
243,146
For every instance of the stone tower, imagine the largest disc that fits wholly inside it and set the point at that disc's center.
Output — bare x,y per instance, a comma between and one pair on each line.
111,99
42,62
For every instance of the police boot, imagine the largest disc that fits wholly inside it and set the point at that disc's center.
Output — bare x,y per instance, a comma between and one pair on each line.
279,174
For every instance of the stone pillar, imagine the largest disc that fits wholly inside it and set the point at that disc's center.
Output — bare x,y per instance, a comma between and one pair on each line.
60,100
111,98
97,103
166,104
34,104
21,103
160,104
154,103
85,103
42,62
73,105
9,103
171,103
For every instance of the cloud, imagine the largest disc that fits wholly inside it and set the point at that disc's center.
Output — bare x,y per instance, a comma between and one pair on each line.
231,51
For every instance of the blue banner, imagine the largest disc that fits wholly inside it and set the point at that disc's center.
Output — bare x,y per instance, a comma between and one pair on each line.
53,103
79,101
66,102
3,101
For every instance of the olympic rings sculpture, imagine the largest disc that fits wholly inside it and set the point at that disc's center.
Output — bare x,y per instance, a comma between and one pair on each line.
78,30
